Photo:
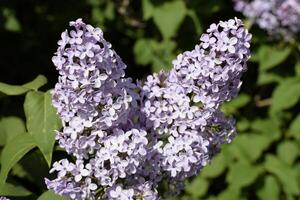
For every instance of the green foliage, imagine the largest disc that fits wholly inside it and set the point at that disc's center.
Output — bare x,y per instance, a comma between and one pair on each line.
12,190
11,22
242,174
294,129
13,152
286,174
270,189
50,195
10,127
194,190
168,17
286,95
18,140
262,162
270,56
38,82
159,55
42,121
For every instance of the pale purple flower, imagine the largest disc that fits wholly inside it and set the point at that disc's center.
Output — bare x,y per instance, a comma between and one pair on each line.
128,139
277,17
117,193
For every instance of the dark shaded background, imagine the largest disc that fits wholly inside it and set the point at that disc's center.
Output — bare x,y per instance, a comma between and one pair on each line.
258,165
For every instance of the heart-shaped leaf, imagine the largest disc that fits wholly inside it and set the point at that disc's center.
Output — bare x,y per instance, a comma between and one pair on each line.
42,121
169,16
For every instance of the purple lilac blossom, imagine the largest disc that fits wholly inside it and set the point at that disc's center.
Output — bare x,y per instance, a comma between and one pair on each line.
277,17
128,139
3,198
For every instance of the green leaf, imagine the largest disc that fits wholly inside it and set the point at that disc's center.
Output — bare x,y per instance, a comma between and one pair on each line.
267,127
216,167
11,23
148,9
42,121
169,16
294,129
50,195
13,152
197,188
251,146
9,128
159,54
270,56
242,174
285,95
288,151
297,68
163,55
230,193
97,16
242,125
266,78
233,105
286,174
38,82
270,190
8,189
110,10
143,51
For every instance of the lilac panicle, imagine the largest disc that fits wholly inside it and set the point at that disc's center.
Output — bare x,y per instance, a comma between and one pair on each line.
128,139
3,198
182,106
277,17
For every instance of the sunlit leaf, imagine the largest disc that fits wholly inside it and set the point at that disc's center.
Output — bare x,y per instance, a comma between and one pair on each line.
148,9
294,129
8,89
286,174
267,127
285,95
216,167
197,187
270,56
288,151
251,146
42,121
270,190
169,16
242,174
230,193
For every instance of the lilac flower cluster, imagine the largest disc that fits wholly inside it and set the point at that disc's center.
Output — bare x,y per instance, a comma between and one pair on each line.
278,17
3,198
129,139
